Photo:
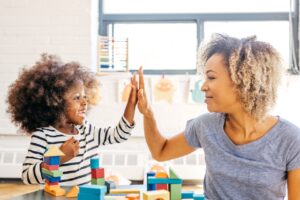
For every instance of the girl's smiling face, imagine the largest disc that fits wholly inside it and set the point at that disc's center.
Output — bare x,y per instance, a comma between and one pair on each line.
76,104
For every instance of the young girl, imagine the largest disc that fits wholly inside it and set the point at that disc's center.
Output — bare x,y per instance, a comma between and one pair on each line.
50,101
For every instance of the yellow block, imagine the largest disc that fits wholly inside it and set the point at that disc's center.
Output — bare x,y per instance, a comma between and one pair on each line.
55,190
156,194
73,192
124,191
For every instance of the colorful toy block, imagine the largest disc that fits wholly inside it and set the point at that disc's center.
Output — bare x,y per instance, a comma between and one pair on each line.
73,192
156,194
91,192
53,173
98,181
50,167
98,173
187,195
110,185
54,160
150,186
125,191
198,197
95,163
175,191
153,180
55,191
133,196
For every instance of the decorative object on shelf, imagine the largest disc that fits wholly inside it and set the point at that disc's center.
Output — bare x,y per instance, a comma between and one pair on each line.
113,54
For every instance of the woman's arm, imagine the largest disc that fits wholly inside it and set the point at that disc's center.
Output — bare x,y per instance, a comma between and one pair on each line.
293,181
161,148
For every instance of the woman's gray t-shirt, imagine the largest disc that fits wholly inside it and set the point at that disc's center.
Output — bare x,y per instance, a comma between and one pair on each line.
256,170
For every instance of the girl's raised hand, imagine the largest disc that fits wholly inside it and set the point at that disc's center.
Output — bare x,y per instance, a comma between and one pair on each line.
133,93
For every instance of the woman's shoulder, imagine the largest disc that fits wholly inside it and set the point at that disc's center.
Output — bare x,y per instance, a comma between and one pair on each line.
290,129
211,118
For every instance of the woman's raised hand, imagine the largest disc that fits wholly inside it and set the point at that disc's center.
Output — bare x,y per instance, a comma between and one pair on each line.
143,104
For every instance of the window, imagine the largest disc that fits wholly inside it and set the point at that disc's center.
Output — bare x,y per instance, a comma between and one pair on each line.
160,46
163,35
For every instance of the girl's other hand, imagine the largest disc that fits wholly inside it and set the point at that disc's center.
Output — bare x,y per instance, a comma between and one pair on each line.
70,148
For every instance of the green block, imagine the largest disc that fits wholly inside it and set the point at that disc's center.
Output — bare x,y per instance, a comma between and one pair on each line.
172,174
98,181
54,173
175,191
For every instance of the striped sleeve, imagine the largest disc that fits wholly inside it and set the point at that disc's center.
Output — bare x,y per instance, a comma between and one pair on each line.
110,135
32,173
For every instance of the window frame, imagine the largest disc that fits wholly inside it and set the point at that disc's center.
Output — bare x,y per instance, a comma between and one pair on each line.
200,18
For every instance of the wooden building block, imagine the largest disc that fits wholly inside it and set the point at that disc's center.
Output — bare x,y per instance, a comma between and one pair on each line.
94,189
198,197
175,191
98,181
54,190
53,173
73,192
172,174
156,194
94,163
97,173
50,167
124,191
53,151
153,180
187,195
133,196
53,160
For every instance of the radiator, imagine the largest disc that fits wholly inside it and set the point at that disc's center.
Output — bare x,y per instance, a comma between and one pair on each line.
130,164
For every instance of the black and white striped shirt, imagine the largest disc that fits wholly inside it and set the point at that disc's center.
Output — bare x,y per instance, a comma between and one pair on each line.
77,170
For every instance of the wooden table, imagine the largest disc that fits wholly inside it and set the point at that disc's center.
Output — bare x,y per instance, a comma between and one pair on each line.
16,190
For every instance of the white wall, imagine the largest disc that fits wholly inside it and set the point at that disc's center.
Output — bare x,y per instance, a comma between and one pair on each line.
69,28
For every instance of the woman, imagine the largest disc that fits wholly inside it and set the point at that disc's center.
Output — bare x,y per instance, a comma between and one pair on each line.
249,153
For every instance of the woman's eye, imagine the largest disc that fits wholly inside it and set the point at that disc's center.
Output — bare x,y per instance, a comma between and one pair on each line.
210,77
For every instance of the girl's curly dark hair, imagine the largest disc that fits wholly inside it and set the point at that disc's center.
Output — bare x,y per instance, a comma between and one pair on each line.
36,100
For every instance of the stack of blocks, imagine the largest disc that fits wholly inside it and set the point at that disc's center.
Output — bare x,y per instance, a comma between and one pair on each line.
51,172
97,172
174,185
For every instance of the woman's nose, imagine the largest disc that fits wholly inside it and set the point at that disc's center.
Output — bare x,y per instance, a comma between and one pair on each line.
204,87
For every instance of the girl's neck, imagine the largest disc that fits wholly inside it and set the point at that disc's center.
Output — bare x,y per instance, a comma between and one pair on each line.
66,128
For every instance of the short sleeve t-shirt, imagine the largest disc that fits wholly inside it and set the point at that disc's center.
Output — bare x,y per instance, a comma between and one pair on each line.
256,170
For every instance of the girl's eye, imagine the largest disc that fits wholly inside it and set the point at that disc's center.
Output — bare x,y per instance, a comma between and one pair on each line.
77,98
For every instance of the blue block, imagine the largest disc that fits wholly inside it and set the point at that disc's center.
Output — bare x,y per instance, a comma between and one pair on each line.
150,187
153,180
93,189
187,195
52,160
86,196
95,163
51,179
198,197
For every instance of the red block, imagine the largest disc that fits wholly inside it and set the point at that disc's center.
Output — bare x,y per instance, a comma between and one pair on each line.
50,183
162,187
98,173
50,167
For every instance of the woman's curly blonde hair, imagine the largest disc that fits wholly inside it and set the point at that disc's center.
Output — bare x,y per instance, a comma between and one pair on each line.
254,68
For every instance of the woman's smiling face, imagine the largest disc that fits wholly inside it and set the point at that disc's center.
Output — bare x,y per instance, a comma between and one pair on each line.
220,94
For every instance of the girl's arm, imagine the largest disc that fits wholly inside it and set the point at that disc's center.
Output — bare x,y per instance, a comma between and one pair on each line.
32,166
161,148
